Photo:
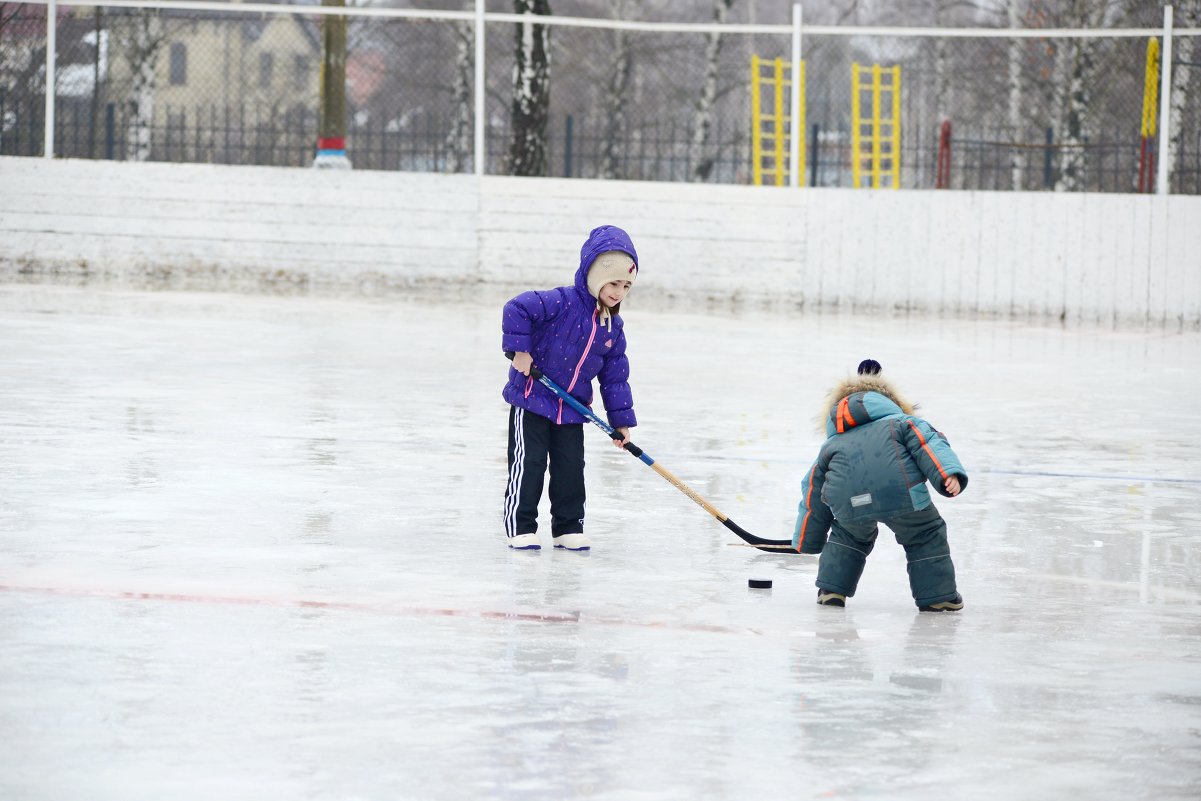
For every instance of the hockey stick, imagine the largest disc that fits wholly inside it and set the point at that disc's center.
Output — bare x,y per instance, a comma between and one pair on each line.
773,546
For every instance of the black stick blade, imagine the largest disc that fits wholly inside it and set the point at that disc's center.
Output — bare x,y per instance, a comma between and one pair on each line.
757,541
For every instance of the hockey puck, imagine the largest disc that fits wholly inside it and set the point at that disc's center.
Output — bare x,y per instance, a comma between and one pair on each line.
759,584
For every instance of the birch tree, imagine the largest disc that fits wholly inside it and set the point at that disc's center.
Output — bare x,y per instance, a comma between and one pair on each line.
1186,14
942,67
702,121
615,100
458,141
1015,52
139,40
942,72
1075,70
531,91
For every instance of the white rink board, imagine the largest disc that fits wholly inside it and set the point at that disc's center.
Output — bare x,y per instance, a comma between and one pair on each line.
1115,259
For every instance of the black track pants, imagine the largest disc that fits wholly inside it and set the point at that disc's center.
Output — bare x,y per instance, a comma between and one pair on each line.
533,440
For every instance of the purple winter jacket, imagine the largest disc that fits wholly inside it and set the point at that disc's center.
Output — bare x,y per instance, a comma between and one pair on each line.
561,330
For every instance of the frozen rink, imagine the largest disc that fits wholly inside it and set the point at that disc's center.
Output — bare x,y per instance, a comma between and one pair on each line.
250,548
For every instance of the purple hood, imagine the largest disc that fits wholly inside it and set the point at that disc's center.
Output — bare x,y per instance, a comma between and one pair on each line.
560,329
602,240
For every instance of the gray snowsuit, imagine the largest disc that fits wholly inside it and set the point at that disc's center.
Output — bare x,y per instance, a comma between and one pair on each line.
873,469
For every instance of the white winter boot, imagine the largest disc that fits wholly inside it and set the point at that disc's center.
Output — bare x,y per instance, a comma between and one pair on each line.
525,542
573,542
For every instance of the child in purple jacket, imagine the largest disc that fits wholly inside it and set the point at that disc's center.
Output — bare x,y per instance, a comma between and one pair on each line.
573,334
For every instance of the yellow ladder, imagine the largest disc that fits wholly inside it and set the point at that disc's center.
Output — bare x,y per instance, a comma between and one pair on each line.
770,83
880,145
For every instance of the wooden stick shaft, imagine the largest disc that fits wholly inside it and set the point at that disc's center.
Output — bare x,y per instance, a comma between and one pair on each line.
634,450
684,488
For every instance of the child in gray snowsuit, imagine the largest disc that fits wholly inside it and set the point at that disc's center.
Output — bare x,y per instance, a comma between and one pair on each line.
873,469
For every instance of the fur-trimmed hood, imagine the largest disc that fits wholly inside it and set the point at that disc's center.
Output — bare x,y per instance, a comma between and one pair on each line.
863,411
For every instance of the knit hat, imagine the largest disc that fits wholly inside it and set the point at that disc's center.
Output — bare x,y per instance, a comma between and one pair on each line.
612,265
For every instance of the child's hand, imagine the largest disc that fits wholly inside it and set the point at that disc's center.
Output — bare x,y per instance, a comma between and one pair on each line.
625,438
522,362
952,485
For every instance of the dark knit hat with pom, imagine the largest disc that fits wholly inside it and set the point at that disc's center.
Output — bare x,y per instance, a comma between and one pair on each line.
869,367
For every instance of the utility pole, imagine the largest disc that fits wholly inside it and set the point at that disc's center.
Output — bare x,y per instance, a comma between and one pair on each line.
331,129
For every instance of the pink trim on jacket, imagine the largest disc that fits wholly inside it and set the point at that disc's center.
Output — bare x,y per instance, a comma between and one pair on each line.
575,376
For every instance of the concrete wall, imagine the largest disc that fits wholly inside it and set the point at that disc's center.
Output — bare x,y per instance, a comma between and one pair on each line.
1123,259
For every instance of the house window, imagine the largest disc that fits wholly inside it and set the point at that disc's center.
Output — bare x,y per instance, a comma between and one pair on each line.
266,65
300,72
179,63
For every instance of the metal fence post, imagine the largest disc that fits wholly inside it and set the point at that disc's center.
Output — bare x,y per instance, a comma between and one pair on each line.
567,147
794,102
814,154
480,155
51,45
1165,106
1048,161
110,130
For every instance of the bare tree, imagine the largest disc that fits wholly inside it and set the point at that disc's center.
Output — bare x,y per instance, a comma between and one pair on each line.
1186,14
614,103
8,12
1073,65
21,63
331,115
942,66
1076,80
139,40
99,56
1015,52
703,118
458,141
531,91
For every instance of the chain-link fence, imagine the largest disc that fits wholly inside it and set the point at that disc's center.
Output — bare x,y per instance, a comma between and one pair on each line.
1019,114
168,84
228,88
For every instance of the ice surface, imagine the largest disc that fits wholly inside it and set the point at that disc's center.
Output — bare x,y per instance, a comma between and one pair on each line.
250,548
